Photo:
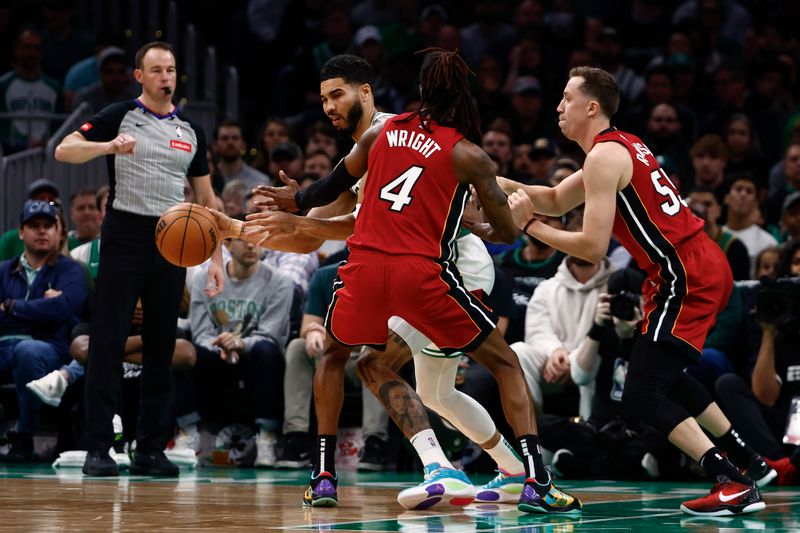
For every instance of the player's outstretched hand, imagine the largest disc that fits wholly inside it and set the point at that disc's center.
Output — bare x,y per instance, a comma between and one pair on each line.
521,208
228,227
278,198
270,223
123,144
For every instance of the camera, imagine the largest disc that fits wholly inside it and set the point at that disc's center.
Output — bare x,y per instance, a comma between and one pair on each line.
778,303
624,304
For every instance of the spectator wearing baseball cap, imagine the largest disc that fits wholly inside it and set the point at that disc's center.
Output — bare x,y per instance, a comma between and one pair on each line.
543,154
43,189
526,103
286,156
115,85
431,21
369,45
562,168
34,337
788,228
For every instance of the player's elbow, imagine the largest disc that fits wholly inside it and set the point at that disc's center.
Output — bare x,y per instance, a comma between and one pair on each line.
59,154
594,253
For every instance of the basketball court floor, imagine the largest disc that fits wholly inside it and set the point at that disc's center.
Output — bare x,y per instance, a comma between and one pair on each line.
39,498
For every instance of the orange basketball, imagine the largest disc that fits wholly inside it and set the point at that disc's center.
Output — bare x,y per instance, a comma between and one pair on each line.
186,234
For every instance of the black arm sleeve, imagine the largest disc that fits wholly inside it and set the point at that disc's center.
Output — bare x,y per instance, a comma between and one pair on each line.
327,189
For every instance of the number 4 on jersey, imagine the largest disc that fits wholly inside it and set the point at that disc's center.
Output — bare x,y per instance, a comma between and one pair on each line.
405,182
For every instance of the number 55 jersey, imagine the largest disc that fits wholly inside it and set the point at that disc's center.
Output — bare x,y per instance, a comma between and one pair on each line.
688,280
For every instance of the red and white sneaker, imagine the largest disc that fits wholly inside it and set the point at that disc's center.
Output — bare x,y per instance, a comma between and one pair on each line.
726,498
787,472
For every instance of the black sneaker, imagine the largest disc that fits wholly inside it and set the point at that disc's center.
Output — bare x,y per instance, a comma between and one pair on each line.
153,464
759,471
100,464
373,455
294,451
21,449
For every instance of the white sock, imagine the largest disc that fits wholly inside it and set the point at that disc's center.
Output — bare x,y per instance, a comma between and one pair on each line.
428,449
506,458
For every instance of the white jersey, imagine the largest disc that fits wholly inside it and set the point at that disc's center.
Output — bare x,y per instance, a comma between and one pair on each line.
378,118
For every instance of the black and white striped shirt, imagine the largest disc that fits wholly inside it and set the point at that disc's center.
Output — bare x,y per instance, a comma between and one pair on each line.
168,148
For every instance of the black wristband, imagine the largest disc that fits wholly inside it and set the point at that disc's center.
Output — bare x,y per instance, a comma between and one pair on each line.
299,200
528,225
596,333
327,189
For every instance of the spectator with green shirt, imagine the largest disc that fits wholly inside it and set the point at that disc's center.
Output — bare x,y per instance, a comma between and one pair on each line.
788,227
26,89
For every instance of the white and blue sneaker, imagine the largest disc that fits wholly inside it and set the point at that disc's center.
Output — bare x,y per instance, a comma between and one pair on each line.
442,487
504,488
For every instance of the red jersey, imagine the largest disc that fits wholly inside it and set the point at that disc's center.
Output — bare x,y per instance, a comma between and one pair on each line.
412,202
651,219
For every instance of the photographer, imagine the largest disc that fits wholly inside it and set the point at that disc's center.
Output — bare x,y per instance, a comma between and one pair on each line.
766,411
601,358
607,446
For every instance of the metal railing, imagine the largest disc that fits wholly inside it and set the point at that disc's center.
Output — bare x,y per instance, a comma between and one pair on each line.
200,84
20,126
18,171
68,177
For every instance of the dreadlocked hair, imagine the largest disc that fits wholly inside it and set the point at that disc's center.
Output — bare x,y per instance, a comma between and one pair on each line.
445,95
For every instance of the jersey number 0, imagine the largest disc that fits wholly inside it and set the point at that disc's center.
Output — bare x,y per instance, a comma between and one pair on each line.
405,181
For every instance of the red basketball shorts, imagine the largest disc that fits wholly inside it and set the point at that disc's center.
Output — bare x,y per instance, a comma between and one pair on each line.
685,295
429,295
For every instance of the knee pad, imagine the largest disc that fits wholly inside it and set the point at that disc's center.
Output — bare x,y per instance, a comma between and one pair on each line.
639,400
690,394
650,404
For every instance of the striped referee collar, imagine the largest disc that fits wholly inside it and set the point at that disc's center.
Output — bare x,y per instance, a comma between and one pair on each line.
158,116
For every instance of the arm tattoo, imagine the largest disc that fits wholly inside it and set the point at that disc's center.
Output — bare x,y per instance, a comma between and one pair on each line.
405,407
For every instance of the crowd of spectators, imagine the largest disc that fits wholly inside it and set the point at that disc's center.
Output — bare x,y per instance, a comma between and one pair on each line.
710,85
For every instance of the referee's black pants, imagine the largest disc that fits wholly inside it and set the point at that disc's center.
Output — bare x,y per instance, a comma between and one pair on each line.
131,267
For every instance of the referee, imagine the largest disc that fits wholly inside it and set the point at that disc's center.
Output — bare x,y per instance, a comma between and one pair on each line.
150,148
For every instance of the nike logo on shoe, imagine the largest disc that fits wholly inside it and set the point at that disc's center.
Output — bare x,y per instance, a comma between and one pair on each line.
139,125
725,498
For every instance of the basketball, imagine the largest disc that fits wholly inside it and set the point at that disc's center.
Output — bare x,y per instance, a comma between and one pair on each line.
186,234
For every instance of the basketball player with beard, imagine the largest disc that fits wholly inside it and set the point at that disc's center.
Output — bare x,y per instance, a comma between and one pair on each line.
435,371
